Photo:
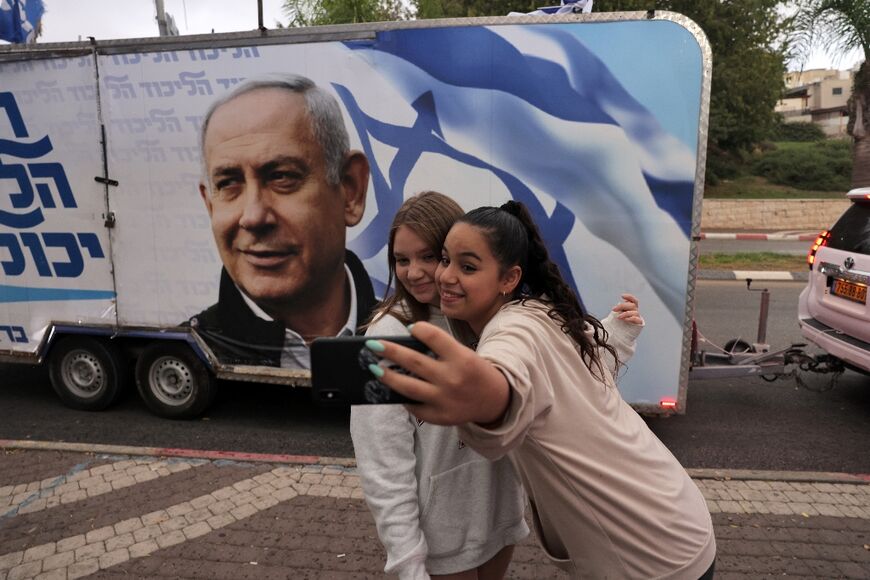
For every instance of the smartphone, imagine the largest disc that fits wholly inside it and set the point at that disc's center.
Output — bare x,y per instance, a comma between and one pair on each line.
340,371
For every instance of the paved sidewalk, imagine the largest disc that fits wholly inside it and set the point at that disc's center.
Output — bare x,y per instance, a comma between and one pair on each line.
123,512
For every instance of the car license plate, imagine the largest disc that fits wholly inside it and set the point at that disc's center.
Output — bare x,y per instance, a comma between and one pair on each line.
850,290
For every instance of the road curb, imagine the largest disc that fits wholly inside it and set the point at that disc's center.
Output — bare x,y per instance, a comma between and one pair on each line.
695,473
790,476
775,236
755,275
177,452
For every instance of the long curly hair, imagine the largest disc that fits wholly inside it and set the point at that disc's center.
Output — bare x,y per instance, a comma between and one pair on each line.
430,215
515,240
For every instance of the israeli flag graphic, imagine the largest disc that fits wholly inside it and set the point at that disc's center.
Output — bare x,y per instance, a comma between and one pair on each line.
625,179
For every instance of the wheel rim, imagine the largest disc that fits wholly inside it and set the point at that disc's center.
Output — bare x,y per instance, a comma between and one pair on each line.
171,381
83,374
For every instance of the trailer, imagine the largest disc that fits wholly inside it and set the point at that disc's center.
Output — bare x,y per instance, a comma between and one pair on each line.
108,251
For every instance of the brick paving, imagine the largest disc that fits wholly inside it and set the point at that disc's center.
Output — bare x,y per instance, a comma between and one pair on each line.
219,519
20,466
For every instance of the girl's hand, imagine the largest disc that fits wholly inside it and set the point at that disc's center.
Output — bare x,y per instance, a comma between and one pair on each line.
628,310
459,387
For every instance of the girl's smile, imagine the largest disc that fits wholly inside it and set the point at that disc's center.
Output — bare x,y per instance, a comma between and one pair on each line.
471,283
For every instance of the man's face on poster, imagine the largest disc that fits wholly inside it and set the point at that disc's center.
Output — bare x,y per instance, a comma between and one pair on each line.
278,222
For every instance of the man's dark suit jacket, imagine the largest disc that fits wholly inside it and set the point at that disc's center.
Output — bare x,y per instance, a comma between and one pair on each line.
238,336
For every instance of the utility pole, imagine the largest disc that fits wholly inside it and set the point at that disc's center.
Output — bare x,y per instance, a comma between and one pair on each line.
161,18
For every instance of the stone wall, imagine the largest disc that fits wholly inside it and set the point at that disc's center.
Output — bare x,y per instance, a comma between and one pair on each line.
771,214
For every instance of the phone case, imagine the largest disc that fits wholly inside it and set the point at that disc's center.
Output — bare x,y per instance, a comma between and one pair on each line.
340,373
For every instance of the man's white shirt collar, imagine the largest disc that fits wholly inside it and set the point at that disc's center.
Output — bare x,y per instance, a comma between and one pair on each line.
296,354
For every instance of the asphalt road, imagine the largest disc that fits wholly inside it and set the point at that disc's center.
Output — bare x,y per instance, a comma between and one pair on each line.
731,423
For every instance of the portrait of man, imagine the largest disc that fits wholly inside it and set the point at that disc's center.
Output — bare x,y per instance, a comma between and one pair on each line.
281,186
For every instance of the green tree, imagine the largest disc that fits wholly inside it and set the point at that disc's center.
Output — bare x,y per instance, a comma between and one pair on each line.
471,8
840,26
315,12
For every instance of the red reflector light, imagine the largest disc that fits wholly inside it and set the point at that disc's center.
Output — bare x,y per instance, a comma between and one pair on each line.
822,240
668,403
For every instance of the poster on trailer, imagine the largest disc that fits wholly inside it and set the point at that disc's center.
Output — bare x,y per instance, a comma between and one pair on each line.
600,135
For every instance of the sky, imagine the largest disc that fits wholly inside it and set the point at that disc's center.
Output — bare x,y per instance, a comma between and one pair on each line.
71,20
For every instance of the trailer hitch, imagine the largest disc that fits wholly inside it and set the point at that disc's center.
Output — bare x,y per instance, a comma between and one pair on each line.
739,358
802,363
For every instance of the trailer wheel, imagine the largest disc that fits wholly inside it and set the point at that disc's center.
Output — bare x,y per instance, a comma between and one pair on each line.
86,372
738,346
173,382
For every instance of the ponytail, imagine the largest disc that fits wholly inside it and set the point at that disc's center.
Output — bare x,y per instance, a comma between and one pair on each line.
514,239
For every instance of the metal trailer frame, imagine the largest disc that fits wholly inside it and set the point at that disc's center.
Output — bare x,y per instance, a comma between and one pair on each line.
740,359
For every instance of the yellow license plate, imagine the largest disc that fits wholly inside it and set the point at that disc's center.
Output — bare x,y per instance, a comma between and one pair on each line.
850,290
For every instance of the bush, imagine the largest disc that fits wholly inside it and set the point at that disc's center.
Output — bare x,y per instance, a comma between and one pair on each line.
822,166
803,132
721,165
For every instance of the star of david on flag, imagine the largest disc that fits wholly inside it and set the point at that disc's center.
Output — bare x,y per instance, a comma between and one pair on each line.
641,205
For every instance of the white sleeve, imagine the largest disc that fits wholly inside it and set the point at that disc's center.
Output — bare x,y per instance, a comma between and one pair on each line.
622,336
383,441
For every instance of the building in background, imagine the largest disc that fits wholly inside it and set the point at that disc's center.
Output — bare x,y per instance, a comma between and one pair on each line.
818,96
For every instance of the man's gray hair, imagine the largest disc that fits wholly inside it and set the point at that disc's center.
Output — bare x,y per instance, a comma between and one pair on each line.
323,111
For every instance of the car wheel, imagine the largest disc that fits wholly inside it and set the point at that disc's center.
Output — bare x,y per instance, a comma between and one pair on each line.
173,382
86,372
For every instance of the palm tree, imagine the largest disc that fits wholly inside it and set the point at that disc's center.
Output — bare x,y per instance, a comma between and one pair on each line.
840,26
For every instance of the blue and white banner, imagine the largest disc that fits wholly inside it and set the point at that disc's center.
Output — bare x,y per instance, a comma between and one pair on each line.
593,131
19,20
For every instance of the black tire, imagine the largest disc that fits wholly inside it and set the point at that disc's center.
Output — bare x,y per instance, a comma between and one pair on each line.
173,382
87,373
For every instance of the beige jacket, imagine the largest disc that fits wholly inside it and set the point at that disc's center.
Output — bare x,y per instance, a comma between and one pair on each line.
608,498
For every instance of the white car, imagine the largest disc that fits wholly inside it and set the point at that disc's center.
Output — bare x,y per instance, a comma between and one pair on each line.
833,312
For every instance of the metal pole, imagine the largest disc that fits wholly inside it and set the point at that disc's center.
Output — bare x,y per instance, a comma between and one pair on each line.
260,15
762,316
161,18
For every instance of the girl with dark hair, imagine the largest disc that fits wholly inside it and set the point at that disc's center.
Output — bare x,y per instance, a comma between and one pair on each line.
608,499
440,507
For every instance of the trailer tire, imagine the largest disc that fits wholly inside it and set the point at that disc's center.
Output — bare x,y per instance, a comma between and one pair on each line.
86,372
173,382
738,346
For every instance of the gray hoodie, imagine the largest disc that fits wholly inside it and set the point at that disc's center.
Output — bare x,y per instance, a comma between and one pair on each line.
439,506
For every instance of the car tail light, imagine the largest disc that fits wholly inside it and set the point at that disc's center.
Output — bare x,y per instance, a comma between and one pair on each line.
822,240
